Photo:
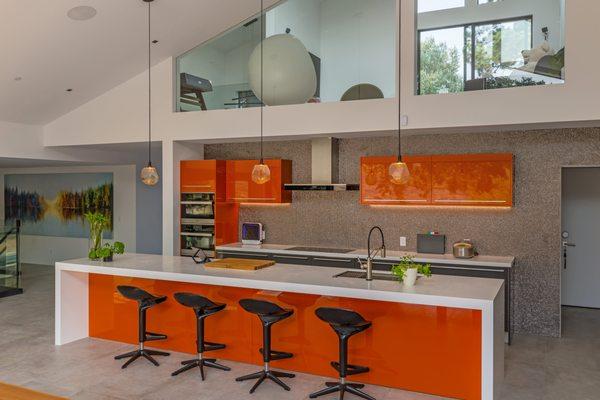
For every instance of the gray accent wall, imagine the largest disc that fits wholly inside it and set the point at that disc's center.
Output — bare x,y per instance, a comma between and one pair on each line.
530,231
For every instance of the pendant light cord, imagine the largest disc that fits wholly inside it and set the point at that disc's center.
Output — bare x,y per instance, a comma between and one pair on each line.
262,74
399,79
149,87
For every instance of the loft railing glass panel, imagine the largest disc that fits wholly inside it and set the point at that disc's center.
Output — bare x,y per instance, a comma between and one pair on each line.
314,51
9,261
490,45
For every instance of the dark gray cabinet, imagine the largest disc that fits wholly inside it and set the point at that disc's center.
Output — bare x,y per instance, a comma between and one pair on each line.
385,265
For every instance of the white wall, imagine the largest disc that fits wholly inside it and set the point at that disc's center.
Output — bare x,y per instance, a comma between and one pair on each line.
46,250
119,115
303,17
356,38
546,13
173,153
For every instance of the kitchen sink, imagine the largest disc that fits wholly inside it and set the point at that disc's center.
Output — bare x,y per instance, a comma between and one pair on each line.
378,276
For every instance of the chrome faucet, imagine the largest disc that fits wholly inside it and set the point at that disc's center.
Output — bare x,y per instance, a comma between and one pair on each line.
370,254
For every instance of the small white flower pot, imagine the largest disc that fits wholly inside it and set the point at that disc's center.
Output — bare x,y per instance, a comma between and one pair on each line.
410,277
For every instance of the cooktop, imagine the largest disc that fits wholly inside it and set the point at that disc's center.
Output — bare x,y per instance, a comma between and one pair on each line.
320,249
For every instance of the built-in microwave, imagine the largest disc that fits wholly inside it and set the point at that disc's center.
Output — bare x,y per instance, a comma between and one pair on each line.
197,206
189,241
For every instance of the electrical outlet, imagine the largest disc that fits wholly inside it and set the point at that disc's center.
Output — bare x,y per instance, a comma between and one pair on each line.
402,241
404,120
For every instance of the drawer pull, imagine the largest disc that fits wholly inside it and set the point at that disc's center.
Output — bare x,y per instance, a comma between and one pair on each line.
468,269
344,260
291,257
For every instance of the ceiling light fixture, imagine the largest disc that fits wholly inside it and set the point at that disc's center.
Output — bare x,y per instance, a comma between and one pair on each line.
149,174
399,173
82,13
261,173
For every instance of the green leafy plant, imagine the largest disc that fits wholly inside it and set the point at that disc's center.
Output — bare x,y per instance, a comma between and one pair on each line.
107,251
407,262
98,222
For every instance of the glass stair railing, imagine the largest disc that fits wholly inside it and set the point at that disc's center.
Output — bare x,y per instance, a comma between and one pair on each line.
10,268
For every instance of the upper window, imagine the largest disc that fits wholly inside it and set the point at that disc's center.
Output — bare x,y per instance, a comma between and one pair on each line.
314,51
474,50
436,5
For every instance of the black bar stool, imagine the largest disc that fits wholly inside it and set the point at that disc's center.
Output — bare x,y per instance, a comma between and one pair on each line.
345,323
203,308
145,301
268,313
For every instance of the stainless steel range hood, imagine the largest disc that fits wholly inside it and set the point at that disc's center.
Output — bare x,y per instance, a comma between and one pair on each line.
324,168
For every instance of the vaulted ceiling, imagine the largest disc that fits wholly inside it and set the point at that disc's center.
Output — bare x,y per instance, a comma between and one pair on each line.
51,53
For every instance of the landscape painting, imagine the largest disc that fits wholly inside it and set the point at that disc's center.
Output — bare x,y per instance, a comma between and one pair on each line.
56,204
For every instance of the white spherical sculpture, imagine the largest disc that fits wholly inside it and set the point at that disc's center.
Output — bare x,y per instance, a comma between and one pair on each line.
289,73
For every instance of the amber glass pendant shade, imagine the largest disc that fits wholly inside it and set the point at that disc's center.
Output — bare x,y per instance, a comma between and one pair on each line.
399,173
149,175
261,174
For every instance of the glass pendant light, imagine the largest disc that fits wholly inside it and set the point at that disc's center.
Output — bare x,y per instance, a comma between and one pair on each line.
261,173
399,173
149,174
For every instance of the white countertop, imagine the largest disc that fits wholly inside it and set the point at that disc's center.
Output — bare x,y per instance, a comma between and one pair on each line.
439,290
444,259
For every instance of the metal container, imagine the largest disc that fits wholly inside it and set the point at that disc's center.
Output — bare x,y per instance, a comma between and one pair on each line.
464,249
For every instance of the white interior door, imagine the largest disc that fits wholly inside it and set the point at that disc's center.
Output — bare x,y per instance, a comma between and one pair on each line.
581,237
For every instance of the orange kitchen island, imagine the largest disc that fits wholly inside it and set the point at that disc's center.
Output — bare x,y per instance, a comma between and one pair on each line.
444,336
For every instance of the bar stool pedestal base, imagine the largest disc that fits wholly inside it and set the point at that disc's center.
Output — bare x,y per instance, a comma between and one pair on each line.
267,374
342,387
141,352
200,363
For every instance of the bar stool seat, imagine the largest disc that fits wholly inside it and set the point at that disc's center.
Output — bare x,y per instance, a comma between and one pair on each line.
269,314
203,308
145,301
345,323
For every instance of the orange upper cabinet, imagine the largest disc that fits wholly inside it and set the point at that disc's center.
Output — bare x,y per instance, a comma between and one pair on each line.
203,176
241,189
377,188
482,180
472,180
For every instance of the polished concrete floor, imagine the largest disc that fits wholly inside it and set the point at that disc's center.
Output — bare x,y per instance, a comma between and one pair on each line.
536,368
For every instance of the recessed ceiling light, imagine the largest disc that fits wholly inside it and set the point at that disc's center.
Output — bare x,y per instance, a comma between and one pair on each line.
82,13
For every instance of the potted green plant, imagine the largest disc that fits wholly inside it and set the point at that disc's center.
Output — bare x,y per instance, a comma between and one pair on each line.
407,270
107,251
98,222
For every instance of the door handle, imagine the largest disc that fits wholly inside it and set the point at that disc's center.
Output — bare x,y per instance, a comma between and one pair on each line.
566,244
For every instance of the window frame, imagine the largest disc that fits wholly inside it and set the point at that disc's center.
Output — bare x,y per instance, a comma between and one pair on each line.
473,27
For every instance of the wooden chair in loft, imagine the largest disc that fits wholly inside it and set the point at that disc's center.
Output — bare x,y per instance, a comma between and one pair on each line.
192,89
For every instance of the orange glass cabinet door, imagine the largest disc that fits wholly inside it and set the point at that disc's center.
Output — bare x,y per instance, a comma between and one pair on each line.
241,188
198,176
376,186
473,180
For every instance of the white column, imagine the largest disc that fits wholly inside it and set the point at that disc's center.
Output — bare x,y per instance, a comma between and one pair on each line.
71,306
173,153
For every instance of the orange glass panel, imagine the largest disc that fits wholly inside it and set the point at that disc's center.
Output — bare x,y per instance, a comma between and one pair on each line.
226,223
473,180
377,188
241,188
428,349
198,176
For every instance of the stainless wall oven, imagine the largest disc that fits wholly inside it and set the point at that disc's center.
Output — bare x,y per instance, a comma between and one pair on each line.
197,229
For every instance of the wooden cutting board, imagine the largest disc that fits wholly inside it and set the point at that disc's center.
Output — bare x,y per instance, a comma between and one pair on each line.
240,263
